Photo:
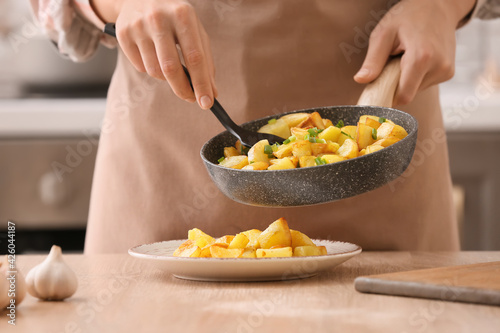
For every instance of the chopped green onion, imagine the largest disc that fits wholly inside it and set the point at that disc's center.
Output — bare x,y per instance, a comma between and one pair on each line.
292,138
244,150
268,149
340,124
307,136
319,161
313,131
221,159
270,155
312,139
320,140
271,121
381,120
320,130
275,147
374,134
346,134
287,141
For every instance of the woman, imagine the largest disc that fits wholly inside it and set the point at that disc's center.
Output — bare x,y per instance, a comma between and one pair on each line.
271,56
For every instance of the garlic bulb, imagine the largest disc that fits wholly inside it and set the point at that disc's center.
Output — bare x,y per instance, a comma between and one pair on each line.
12,285
52,279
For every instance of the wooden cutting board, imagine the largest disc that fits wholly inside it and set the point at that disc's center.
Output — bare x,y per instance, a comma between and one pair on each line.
477,283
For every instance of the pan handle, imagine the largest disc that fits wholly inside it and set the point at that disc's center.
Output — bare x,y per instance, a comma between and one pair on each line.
382,90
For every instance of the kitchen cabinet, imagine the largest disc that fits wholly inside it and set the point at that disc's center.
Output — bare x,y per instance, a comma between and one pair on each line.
47,155
118,293
475,167
472,120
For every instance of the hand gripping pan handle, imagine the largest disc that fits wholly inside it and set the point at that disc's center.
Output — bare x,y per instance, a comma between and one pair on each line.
382,90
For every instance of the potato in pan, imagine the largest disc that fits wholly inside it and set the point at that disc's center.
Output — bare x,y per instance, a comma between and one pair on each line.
313,141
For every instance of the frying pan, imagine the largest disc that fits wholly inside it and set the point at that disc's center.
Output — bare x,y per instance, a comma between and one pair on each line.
324,183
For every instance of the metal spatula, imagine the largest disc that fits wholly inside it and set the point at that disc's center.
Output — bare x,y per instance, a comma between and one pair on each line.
247,138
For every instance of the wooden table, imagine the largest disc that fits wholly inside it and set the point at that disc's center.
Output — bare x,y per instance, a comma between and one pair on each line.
118,293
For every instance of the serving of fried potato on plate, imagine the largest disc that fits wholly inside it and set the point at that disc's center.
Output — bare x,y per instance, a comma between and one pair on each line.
275,241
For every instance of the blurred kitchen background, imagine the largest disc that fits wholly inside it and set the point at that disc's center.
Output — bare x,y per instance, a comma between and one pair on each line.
51,109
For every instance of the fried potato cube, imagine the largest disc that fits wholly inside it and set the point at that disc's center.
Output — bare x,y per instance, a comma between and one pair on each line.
253,237
308,123
349,149
317,120
307,161
324,148
330,158
301,148
309,250
224,240
276,234
327,123
331,133
373,148
350,131
256,166
332,147
256,153
235,162
388,129
187,249
284,150
200,238
386,142
364,135
239,241
221,252
300,239
295,118
362,152
299,133
275,253
239,146
281,164
249,252
372,121
205,252
318,148
279,128
231,151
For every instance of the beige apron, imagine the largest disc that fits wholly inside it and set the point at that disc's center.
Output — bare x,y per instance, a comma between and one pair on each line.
150,183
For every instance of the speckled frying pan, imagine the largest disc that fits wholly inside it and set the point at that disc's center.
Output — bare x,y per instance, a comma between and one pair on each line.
324,183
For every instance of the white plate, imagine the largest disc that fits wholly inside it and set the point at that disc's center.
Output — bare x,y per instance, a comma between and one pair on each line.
244,269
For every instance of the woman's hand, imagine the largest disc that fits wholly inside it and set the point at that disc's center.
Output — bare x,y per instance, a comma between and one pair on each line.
424,32
149,31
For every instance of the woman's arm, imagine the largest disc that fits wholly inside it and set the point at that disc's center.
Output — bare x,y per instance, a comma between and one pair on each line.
424,32
148,31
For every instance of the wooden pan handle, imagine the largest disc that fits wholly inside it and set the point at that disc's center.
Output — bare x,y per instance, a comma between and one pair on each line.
382,90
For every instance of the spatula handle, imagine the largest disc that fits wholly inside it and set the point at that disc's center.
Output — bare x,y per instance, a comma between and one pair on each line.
382,90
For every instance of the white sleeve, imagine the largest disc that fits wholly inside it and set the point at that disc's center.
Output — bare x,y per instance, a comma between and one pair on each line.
73,26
